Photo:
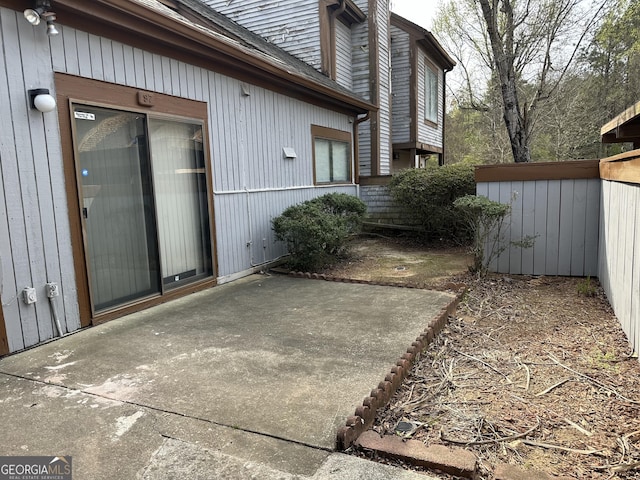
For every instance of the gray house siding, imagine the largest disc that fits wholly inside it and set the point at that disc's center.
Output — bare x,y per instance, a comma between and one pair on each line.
426,132
344,60
360,55
384,88
252,181
248,164
401,82
293,27
296,29
35,245
360,81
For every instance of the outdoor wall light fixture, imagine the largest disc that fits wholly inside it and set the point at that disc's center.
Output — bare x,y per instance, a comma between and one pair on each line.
33,15
51,27
42,9
42,100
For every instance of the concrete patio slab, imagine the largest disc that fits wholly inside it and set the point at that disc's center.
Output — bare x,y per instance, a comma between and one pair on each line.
177,460
264,368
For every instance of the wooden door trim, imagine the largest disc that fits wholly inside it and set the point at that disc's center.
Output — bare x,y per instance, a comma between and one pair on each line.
4,340
71,88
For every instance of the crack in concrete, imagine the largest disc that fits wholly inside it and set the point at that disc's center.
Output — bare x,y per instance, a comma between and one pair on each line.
171,412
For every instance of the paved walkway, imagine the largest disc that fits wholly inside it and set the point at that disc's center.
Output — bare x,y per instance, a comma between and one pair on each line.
247,380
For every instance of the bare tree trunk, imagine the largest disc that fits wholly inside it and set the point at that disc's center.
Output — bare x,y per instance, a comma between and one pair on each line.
504,55
515,122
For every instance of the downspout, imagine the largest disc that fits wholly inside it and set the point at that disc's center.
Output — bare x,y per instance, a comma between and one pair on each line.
340,10
356,146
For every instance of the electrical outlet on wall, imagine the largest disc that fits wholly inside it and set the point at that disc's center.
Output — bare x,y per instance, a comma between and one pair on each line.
52,289
29,295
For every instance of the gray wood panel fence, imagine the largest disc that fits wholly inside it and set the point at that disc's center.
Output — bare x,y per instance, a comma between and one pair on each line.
561,214
619,265
587,225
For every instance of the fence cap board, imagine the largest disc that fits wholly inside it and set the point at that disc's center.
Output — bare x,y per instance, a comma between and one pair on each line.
537,171
624,167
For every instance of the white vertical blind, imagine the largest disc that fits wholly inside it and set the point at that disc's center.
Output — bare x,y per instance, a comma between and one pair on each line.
323,159
178,174
333,163
341,164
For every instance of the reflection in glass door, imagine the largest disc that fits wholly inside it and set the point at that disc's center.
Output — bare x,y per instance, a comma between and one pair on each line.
144,201
117,205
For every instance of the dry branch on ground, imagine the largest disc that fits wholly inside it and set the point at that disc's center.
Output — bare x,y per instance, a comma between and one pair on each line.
521,350
528,373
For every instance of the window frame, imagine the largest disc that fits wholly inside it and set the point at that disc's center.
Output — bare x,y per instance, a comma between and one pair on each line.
332,135
429,68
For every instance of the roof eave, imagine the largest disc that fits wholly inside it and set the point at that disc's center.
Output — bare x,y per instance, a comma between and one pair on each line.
214,51
426,39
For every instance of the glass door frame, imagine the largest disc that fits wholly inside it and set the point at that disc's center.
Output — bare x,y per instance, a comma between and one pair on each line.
75,90
73,107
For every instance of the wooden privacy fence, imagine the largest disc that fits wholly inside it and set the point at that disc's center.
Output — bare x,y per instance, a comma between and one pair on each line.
619,263
556,203
585,217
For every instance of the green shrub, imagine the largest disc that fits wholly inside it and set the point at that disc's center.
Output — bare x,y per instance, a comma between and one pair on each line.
429,195
343,205
485,219
316,231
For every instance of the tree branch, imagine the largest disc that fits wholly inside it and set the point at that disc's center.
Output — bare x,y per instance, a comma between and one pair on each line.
494,440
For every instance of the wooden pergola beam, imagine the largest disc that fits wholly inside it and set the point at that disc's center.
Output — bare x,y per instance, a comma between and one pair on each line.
624,127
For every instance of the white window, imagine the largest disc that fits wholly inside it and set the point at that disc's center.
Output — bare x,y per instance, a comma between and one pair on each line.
430,94
331,155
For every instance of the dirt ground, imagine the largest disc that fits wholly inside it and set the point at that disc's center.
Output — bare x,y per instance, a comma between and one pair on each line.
533,371
400,259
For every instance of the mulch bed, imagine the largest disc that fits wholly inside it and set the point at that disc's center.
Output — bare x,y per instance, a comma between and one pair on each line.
534,372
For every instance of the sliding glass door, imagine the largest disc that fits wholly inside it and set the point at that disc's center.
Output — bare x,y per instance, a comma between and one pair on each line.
144,203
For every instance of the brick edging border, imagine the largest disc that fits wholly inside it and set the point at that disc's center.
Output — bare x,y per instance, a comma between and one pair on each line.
365,414
457,287
330,278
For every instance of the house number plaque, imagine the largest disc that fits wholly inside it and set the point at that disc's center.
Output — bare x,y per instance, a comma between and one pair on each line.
145,99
